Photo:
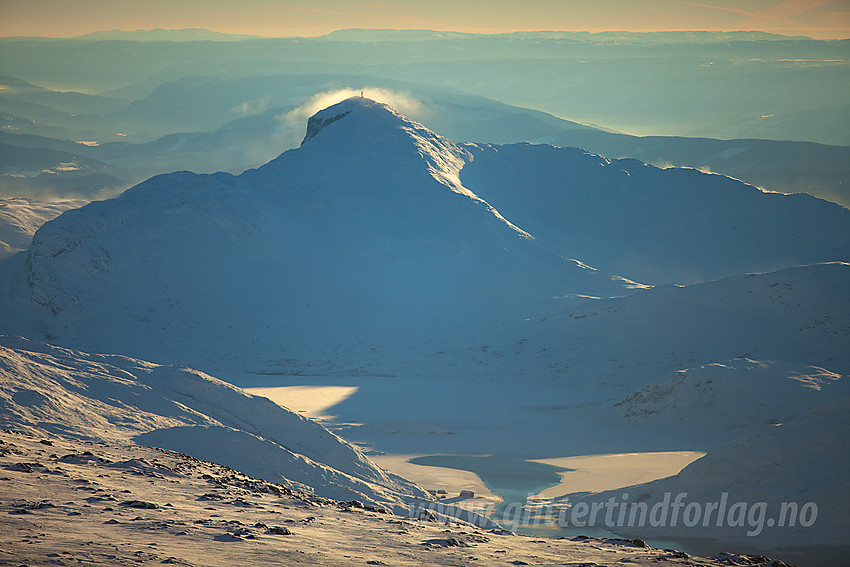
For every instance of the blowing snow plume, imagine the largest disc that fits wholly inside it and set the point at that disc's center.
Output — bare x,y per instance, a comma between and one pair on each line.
297,118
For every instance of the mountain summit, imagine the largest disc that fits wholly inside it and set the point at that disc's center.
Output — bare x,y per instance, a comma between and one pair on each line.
371,135
377,135
368,110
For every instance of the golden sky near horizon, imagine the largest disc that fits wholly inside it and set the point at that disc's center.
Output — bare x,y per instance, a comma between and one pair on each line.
66,18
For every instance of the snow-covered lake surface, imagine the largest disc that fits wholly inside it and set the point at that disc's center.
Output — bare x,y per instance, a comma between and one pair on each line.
494,476
497,481
310,401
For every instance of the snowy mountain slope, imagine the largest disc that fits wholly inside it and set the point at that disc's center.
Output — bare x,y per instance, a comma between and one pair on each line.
364,254
657,226
20,218
55,391
362,232
558,377
800,316
702,398
800,462
373,232
789,167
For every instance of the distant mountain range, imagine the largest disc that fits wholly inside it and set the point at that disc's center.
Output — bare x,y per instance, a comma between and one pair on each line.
696,84
239,123
649,38
159,34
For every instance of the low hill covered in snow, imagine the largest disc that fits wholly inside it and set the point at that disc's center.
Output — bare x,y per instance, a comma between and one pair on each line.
47,390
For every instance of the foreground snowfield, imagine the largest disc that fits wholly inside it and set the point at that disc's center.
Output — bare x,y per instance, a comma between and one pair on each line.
68,502
524,302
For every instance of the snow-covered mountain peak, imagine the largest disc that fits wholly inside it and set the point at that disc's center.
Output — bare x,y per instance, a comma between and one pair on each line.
369,139
365,230
373,231
378,129
366,111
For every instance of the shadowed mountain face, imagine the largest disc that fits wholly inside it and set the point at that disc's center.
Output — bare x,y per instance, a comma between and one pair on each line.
657,226
787,167
377,228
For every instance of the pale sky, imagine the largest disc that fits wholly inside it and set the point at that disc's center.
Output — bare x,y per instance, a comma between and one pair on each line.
68,18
